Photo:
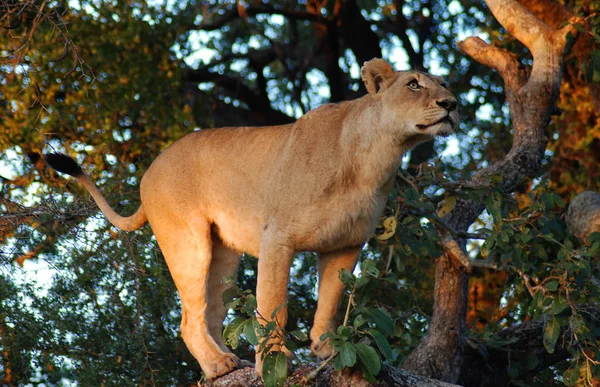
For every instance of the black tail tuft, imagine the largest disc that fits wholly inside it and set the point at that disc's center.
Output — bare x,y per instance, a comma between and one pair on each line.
63,163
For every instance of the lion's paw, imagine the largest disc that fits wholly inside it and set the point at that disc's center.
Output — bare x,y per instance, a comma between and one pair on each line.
221,365
321,349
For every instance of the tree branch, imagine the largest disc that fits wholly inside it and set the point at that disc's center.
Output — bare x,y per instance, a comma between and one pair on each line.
357,33
486,365
549,11
233,14
239,90
389,376
488,55
401,25
521,24
583,214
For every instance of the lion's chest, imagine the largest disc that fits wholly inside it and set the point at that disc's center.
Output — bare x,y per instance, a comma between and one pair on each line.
345,221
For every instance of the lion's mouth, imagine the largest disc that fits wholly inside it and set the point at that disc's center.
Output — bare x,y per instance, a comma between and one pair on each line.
443,119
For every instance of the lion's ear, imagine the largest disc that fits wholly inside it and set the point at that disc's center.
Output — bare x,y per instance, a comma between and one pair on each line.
377,75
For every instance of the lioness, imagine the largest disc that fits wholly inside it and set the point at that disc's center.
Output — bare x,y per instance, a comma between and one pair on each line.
319,184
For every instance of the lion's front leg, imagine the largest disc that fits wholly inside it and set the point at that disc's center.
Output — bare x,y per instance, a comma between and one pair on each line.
330,293
274,264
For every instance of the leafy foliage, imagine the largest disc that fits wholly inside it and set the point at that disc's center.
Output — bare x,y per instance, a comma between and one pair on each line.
115,82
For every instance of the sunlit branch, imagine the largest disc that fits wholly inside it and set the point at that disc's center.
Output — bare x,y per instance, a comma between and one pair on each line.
550,12
489,55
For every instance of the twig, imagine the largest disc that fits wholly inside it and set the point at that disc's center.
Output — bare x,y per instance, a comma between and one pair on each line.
441,222
457,252
526,279
389,260
316,371
324,364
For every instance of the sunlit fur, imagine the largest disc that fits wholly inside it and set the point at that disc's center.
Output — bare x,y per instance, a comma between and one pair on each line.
319,184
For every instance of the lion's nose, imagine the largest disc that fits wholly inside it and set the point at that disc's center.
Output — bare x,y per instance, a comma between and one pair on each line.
448,104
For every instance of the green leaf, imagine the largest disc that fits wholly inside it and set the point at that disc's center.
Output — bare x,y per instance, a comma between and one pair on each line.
551,334
274,314
571,376
275,369
299,335
412,194
230,294
530,361
290,344
347,278
249,306
559,304
369,267
382,344
344,332
493,204
248,328
233,331
369,358
381,320
359,321
559,201
347,354
338,363
552,286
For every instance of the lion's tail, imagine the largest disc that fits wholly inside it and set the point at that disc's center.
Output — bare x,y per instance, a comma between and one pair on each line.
65,164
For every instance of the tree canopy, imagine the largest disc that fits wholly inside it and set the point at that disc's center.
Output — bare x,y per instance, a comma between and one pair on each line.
473,277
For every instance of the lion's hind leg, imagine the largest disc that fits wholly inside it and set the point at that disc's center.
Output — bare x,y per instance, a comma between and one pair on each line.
224,266
188,252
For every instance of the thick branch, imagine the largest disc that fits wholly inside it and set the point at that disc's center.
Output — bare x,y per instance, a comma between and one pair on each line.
486,365
262,56
239,90
416,58
357,33
440,353
521,24
488,55
329,45
233,14
211,111
549,11
583,214
389,377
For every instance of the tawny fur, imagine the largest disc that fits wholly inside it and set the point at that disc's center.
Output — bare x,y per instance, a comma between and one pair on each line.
319,184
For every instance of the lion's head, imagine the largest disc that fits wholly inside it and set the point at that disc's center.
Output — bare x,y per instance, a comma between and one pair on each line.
420,101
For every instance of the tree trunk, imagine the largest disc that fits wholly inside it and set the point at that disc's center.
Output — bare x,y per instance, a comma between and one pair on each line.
531,101
439,355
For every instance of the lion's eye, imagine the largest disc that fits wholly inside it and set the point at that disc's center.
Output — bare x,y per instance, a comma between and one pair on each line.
414,85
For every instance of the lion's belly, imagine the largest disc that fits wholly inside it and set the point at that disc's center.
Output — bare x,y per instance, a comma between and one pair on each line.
239,233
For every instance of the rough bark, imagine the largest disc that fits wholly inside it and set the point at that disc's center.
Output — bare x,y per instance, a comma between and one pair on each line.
328,377
487,366
583,214
531,100
441,350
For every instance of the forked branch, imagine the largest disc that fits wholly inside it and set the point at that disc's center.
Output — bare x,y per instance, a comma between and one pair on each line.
531,97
